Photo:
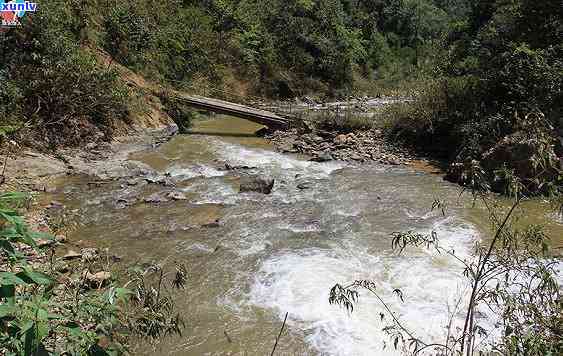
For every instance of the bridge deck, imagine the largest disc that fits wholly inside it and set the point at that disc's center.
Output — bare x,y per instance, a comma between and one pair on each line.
261,117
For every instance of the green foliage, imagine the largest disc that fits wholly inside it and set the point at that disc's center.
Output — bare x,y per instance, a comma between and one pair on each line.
128,34
182,114
40,314
52,85
501,77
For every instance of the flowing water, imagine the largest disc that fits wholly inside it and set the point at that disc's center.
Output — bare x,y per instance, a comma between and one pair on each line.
283,252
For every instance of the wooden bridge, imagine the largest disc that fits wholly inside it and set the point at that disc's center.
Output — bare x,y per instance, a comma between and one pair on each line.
262,117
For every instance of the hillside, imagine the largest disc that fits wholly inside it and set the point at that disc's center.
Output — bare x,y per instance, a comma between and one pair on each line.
482,71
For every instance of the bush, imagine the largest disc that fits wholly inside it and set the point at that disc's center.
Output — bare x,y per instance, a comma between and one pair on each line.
55,87
182,114
43,311
128,35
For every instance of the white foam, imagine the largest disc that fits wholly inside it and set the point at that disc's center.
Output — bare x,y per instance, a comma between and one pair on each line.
275,162
195,171
299,283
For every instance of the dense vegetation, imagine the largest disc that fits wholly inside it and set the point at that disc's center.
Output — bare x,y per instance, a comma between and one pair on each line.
483,71
495,108
54,80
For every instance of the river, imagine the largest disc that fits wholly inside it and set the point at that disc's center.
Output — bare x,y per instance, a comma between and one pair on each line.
278,253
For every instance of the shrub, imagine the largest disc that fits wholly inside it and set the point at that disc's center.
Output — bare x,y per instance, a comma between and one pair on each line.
129,35
44,312
54,86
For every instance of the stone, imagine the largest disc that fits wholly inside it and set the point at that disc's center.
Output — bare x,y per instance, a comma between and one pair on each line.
237,168
520,153
340,140
317,139
55,205
176,196
325,156
213,224
42,243
356,157
256,184
72,255
288,148
96,280
155,198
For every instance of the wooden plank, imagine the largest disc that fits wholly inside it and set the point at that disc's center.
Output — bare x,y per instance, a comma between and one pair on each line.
261,117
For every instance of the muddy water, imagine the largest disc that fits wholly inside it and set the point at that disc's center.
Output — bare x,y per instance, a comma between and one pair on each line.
283,252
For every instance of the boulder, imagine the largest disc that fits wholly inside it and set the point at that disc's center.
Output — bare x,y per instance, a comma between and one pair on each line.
323,157
522,154
213,224
229,167
356,157
288,148
96,280
340,140
256,184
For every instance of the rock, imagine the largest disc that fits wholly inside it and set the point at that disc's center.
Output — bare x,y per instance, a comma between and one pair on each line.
96,280
340,140
521,153
55,205
89,254
263,132
356,157
213,224
132,182
155,198
256,184
317,139
351,138
157,180
237,168
42,243
176,196
72,255
323,157
288,148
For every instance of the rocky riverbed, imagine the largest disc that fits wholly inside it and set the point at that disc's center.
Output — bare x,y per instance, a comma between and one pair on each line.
359,146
